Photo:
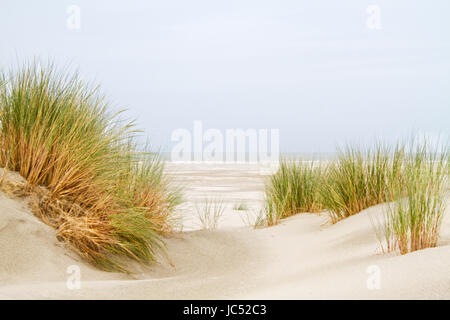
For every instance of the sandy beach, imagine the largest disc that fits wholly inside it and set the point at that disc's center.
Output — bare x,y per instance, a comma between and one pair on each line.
230,151
304,257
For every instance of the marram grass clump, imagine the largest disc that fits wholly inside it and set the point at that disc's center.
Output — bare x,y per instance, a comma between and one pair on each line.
209,212
361,178
411,179
294,188
413,220
103,195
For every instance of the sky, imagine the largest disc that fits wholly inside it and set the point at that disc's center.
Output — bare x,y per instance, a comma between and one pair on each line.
314,70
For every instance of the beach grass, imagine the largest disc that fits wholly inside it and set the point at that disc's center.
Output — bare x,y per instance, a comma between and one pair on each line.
292,189
241,206
413,220
411,178
105,196
209,212
360,178
253,218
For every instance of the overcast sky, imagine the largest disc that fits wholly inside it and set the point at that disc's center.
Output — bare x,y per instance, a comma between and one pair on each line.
313,69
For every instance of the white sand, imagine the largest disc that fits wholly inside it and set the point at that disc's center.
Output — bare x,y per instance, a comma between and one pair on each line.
303,257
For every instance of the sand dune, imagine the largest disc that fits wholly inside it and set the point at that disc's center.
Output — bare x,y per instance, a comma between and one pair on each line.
303,257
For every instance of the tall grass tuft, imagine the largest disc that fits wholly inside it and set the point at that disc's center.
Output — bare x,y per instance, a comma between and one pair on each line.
413,220
242,206
254,218
292,189
361,178
210,212
103,195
